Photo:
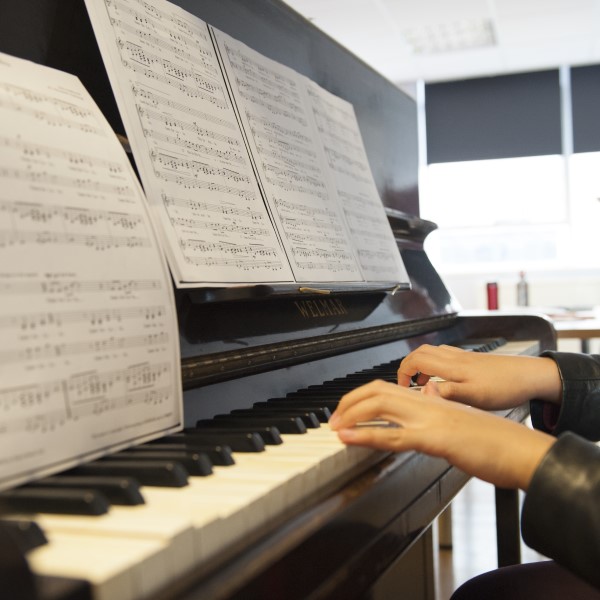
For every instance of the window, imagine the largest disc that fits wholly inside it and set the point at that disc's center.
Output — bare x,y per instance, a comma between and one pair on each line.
506,214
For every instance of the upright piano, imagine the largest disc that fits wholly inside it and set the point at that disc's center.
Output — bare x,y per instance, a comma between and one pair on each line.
345,520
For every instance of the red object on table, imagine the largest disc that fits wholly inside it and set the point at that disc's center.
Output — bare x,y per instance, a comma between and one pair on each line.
492,295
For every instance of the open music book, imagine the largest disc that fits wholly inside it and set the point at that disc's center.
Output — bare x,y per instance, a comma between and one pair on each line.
253,172
90,360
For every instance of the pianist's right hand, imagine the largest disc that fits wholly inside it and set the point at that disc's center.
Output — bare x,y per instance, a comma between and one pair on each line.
482,444
487,381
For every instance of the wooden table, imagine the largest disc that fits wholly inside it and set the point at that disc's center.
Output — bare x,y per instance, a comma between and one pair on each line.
577,325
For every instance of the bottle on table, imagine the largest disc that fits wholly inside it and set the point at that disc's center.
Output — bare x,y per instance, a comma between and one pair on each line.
522,290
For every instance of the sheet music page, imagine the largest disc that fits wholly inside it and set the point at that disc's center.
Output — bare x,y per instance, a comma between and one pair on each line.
187,144
299,190
344,152
89,360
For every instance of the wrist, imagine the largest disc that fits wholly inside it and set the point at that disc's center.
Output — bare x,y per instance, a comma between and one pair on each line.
537,447
549,383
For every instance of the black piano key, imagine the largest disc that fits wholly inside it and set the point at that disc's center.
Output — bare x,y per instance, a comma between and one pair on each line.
321,412
163,473
331,405
62,588
316,395
269,434
283,424
238,441
338,386
195,463
27,534
356,380
220,455
119,490
53,500
308,418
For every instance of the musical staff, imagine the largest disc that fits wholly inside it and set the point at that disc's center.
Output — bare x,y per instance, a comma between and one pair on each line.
225,209
47,351
92,318
82,396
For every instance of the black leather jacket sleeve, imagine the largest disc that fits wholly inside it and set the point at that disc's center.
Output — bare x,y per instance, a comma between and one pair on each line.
580,408
561,512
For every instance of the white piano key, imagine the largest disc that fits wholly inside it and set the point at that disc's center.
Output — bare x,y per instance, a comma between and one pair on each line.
133,522
118,568
221,512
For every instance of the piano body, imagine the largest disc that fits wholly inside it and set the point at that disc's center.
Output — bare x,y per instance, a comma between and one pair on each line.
347,526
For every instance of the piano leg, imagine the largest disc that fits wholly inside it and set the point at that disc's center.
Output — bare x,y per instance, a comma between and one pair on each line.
508,527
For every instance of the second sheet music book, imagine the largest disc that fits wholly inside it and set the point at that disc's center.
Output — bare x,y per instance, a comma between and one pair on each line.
253,173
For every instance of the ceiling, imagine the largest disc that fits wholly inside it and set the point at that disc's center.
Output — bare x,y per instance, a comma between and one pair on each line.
439,40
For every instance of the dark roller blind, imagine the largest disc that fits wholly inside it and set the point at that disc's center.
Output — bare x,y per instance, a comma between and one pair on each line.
585,101
493,117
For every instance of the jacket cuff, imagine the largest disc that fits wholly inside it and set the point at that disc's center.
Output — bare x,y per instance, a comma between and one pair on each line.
580,377
560,517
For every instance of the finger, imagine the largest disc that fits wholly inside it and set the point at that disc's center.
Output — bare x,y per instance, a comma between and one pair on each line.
439,361
459,392
391,407
410,366
431,389
362,392
390,439
368,410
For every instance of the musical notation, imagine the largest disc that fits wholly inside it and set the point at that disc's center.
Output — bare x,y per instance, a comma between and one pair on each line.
52,288
93,318
47,109
43,224
172,162
156,100
363,213
217,120
86,295
186,139
35,151
297,184
82,396
223,208
47,351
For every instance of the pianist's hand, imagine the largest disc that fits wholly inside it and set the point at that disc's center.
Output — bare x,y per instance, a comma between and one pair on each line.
483,445
488,381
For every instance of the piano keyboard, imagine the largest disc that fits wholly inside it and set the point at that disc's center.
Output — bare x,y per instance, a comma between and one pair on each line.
133,551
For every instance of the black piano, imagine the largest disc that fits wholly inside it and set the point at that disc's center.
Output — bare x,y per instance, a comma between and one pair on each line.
358,529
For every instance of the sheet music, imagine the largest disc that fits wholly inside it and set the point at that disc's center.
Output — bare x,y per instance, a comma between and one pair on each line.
297,184
89,360
187,143
344,152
